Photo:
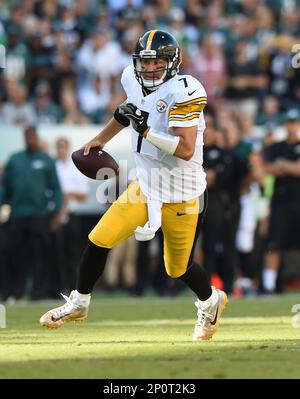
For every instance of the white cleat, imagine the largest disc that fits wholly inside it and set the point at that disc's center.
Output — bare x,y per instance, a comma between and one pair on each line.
70,311
209,319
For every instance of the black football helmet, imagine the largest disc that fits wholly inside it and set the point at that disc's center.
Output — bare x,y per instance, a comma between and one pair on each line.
157,44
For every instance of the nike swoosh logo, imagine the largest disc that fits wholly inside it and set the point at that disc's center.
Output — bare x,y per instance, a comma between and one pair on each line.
215,319
192,92
59,318
180,214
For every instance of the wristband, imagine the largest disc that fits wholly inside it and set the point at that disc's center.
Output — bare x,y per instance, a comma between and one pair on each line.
121,118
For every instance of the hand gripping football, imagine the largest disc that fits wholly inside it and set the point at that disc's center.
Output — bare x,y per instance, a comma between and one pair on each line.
98,164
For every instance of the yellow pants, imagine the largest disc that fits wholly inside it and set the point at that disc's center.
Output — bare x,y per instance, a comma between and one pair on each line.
180,225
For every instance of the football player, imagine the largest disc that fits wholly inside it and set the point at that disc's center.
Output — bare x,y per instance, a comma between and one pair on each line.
165,113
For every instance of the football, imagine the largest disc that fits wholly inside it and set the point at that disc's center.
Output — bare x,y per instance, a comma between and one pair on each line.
98,164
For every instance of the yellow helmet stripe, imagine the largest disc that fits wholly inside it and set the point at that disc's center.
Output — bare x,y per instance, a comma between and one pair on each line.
149,40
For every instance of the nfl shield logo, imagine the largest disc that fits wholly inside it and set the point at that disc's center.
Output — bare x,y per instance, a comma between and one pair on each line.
161,106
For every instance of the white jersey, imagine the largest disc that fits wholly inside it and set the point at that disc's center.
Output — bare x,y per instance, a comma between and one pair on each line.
179,102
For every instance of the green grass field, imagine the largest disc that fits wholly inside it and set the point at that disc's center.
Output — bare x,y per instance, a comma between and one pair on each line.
151,338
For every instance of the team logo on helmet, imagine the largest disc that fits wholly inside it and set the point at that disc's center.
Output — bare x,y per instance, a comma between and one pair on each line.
161,106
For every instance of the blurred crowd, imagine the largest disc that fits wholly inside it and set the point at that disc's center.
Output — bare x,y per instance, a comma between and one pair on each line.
64,60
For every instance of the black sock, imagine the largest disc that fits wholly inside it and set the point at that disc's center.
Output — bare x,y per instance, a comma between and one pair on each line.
197,279
91,266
